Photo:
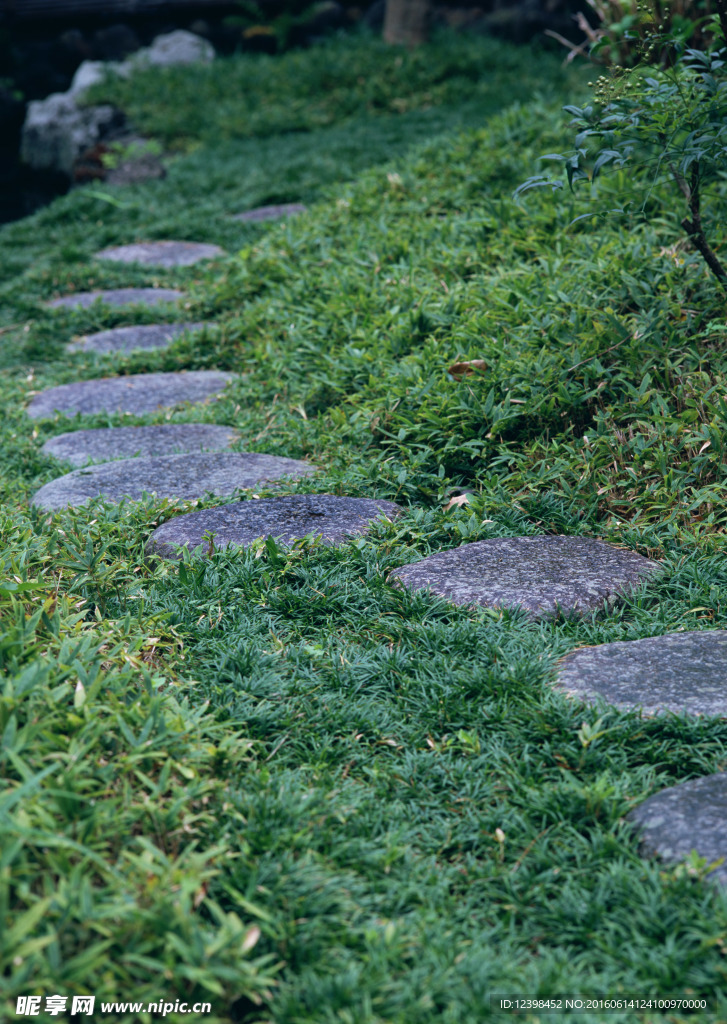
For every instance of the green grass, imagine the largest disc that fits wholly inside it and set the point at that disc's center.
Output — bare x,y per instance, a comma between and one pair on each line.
272,779
263,96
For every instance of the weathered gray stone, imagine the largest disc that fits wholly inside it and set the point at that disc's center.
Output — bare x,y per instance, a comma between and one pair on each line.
138,393
161,254
56,131
677,672
79,447
135,168
91,72
686,817
541,575
329,516
178,47
127,339
270,212
171,476
118,297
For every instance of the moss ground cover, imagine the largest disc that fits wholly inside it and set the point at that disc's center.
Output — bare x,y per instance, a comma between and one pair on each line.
271,780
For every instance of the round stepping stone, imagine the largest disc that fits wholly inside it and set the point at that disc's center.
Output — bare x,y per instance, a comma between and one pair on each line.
690,816
541,575
677,672
171,476
118,297
79,447
127,339
270,212
329,516
161,254
138,393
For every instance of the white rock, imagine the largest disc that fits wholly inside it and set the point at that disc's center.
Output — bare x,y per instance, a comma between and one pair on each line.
178,47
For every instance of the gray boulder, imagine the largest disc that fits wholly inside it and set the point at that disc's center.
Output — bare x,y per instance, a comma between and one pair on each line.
178,47
91,72
57,131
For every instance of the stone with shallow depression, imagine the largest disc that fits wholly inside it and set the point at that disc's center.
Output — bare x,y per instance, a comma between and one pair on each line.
129,339
118,297
170,476
136,394
270,212
79,447
686,817
161,254
544,576
328,516
678,672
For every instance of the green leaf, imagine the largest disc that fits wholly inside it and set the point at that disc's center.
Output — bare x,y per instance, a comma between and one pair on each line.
604,157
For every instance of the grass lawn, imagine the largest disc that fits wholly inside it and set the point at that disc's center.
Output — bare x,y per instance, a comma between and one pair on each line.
271,780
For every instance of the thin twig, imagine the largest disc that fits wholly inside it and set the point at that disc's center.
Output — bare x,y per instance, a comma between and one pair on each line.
597,354
529,847
575,50
276,748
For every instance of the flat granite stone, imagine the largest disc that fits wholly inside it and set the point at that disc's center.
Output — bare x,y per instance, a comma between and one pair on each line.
270,212
329,516
676,672
126,339
161,254
686,817
79,447
138,393
118,297
544,576
169,476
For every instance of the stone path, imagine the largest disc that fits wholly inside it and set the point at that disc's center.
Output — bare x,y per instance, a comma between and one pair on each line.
161,254
541,575
686,817
328,516
270,212
544,576
171,476
118,297
138,393
678,672
79,447
129,339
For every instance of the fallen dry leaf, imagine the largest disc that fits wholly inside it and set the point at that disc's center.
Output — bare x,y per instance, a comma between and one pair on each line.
458,499
460,370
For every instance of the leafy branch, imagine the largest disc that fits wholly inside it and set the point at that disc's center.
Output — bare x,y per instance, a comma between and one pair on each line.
674,118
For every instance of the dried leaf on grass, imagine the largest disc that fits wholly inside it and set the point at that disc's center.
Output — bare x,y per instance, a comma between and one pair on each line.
458,499
465,369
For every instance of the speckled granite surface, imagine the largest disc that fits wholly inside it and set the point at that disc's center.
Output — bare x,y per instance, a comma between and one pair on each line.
541,575
170,476
126,339
270,212
161,254
137,393
677,672
329,516
118,297
690,816
79,447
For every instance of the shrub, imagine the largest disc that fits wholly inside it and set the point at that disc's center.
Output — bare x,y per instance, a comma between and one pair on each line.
667,125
